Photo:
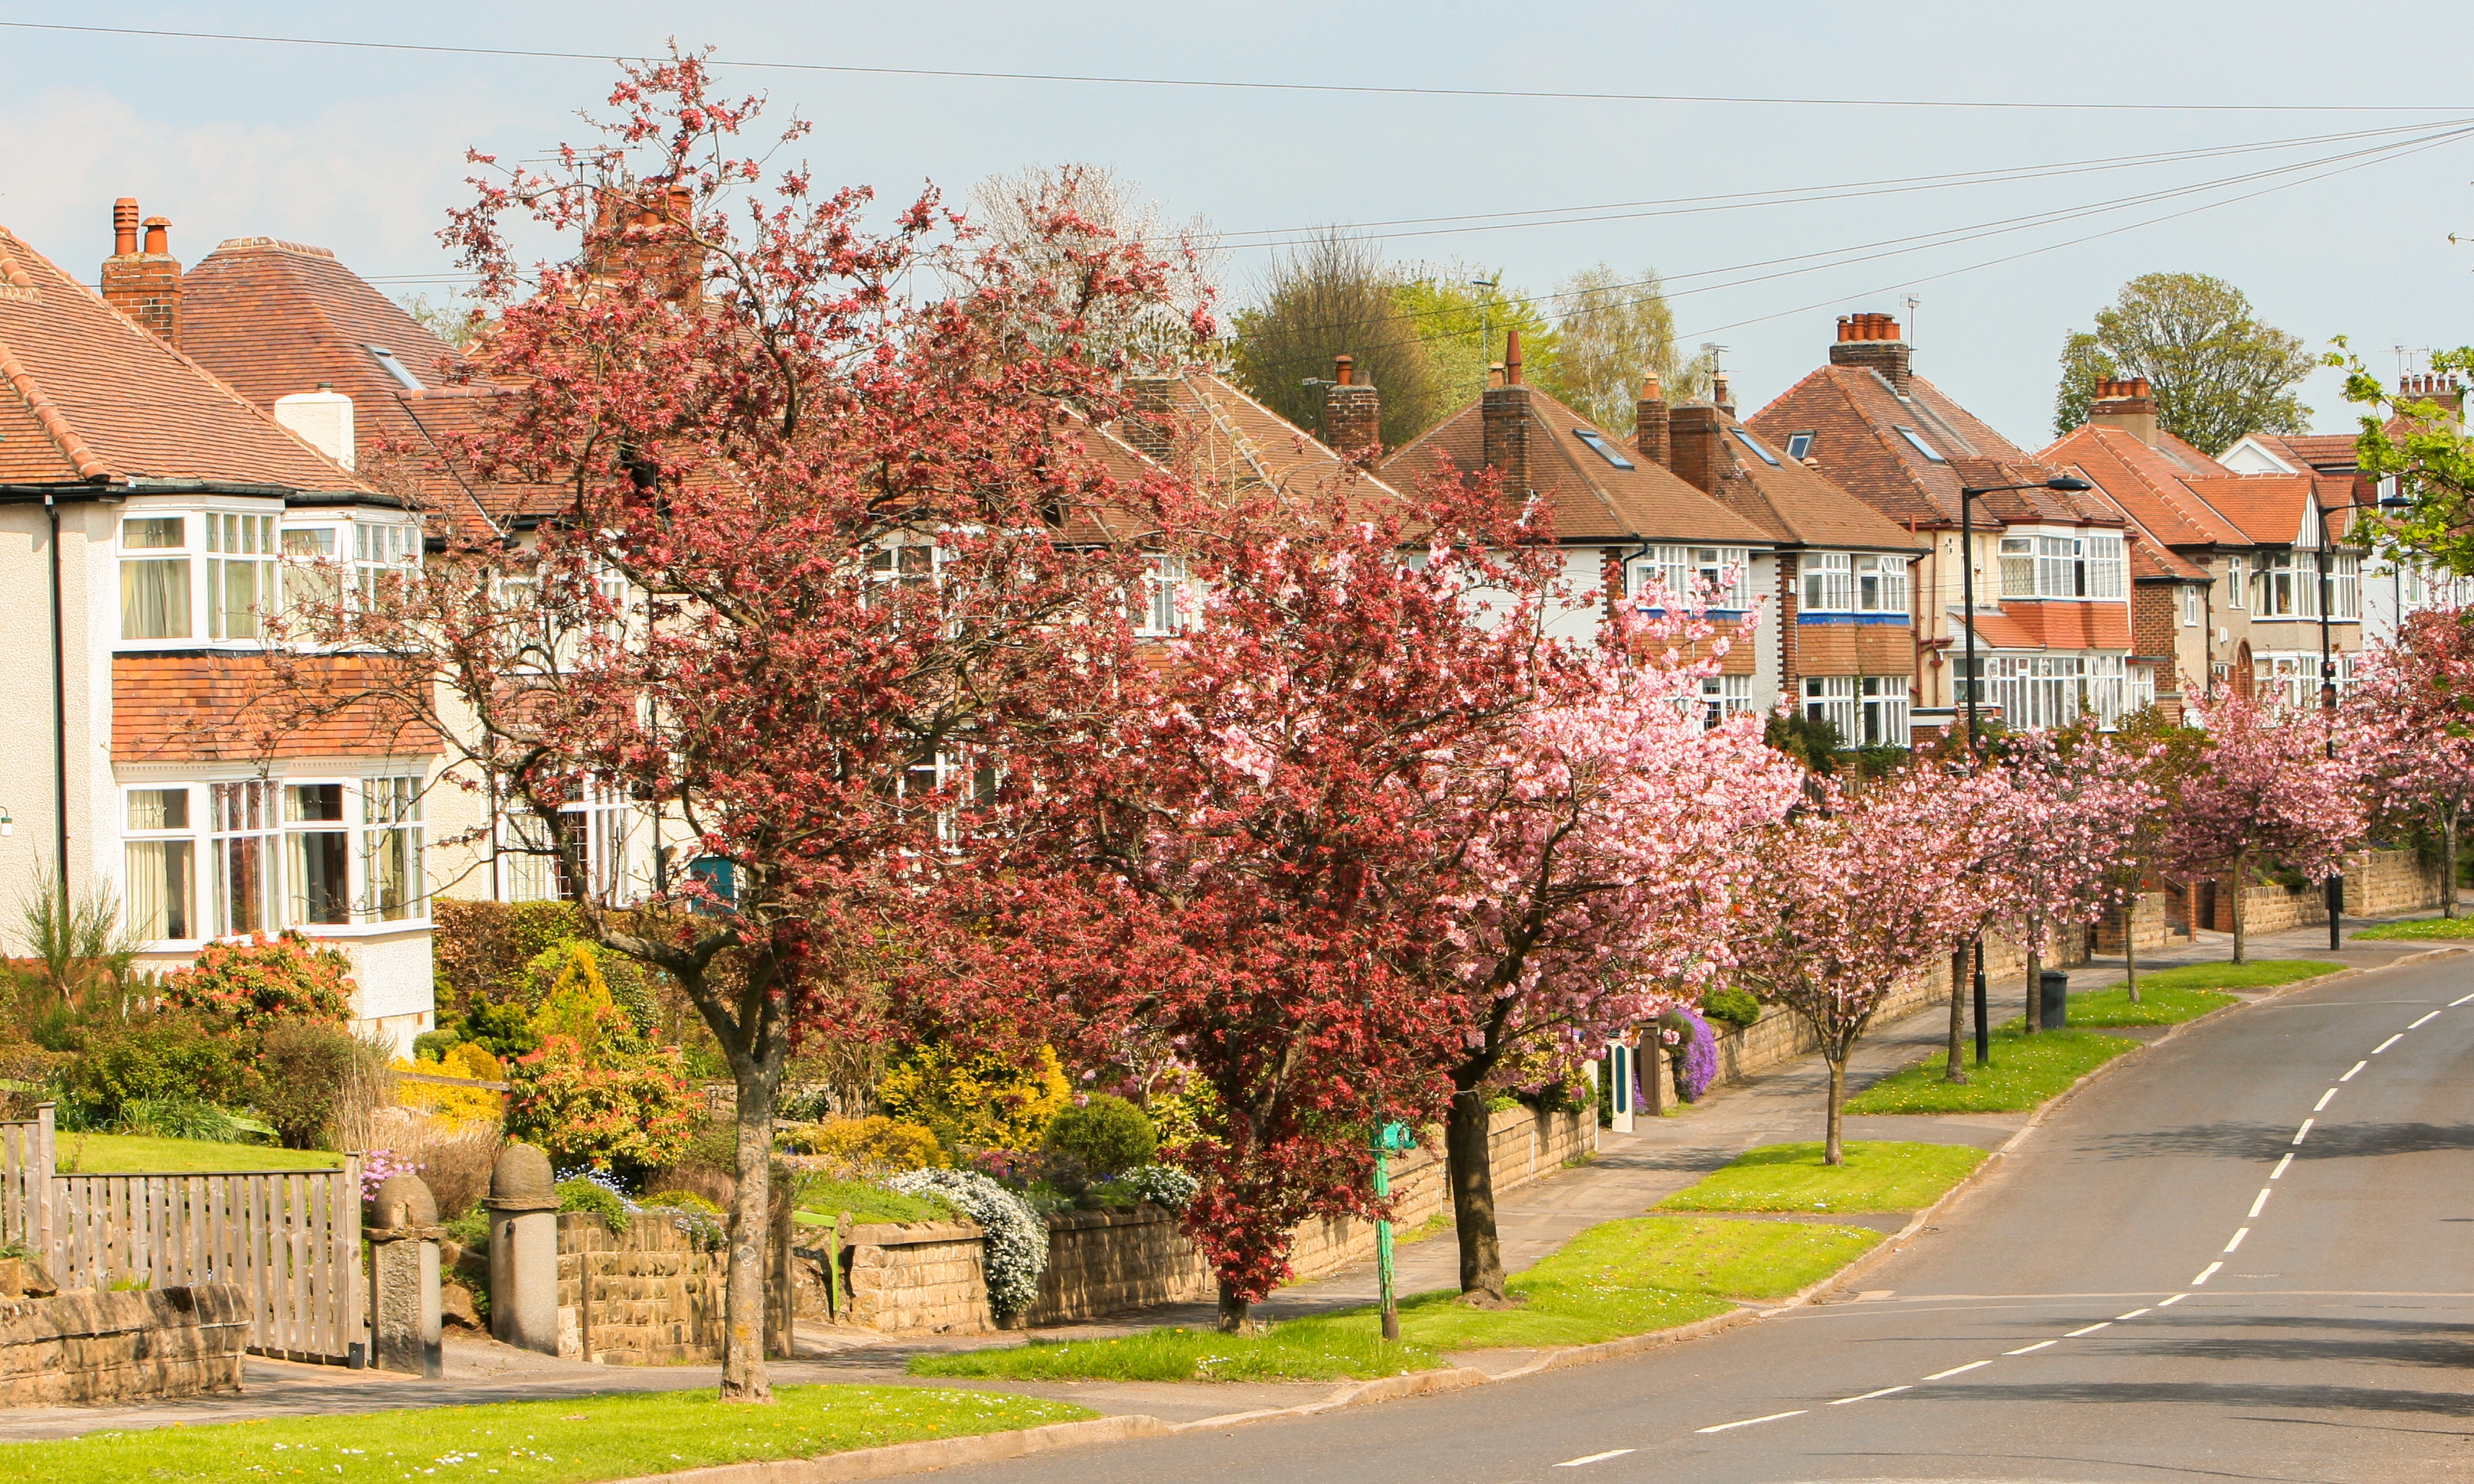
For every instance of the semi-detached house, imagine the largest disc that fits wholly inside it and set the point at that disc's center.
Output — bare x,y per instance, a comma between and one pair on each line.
151,520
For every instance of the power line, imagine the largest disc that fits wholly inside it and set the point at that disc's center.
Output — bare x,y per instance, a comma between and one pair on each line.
1239,86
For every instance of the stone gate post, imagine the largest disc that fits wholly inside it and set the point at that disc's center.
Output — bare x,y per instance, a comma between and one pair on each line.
402,1231
523,1251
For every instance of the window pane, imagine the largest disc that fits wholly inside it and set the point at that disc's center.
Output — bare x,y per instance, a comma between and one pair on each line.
391,864
313,803
241,885
154,599
159,887
158,808
319,876
239,600
154,531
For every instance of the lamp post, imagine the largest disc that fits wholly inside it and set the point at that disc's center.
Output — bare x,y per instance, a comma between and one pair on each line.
2335,884
1388,1137
1974,682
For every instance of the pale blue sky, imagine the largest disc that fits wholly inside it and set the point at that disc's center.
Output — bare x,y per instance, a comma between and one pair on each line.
361,152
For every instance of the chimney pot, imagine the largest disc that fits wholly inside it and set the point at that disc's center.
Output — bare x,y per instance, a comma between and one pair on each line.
1353,415
2123,402
1495,373
1872,340
1651,420
1511,358
1344,368
159,234
1503,415
146,287
124,226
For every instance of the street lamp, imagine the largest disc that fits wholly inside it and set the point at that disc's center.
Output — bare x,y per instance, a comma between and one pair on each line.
1974,682
2336,883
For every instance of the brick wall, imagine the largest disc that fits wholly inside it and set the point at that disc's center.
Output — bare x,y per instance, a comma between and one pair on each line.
644,1298
2155,618
87,1347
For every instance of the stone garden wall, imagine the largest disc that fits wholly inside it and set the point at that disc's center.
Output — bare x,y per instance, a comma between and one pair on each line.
644,1297
88,1347
915,1276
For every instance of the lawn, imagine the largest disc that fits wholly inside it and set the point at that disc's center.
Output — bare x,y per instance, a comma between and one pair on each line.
2420,928
1884,1176
2026,1072
568,1441
1620,1277
2169,997
116,1154
821,1203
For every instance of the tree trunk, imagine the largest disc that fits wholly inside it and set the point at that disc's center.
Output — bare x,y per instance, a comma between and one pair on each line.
2241,878
1961,960
2448,863
1236,1311
2130,945
2036,977
1833,1151
743,1377
1472,1176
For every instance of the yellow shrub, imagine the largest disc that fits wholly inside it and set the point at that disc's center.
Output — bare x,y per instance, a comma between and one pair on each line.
862,1147
463,1105
982,1101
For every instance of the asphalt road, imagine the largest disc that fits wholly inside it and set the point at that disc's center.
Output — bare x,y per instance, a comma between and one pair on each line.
2150,1288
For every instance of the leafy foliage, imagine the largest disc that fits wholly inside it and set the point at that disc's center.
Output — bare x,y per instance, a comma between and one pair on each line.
1333,295
867,1147
2217,372
1106,1135
1731,1005
1016,1253
626,1113
265,979
982,1098
578,1194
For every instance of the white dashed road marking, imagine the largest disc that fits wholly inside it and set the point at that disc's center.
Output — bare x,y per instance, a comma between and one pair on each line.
2305,1129
2133,1314
2170,1302
2031,1349
2090,1329
2280,1167
2350,1076
2418,1025
2391,1042
1868,1396
1750,1421
1600,1458
1956,1370
2255,1205
2205,1274
2238,1238
2454,1003
2321,1106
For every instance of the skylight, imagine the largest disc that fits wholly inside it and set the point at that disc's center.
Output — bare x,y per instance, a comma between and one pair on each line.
1605,450
1798,445
1755,444
402,372
1922,448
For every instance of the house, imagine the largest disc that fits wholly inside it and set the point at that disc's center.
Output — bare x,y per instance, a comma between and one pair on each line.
2233,575
1622,517
2390,589
152,520
2051,568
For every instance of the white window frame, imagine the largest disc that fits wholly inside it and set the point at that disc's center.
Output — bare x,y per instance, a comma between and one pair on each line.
2037,692
206,572
604,823
2063,565
149,850
1722,574
1723,695
2190,606
1159,608
1869,711
376,811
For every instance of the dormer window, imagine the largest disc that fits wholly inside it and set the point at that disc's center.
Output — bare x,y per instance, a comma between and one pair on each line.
1605,450
1799,445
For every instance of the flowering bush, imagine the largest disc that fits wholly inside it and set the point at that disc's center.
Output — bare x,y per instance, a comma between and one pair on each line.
461,1104
1164,1186
976,1100
378,1167
629,1113
865,1146
1694,1051
698,1218
265,979
1017,1239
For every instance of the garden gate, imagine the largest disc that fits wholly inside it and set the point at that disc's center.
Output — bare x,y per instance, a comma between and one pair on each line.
290,1239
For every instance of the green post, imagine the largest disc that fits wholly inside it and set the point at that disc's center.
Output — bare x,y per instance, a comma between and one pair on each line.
1390,1136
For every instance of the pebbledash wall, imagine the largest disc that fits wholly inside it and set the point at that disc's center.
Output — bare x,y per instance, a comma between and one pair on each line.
927,1276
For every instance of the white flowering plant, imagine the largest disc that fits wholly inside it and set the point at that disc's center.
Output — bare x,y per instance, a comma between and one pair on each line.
1017,1237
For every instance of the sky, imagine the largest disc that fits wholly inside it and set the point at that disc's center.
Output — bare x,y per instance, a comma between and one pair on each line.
362,149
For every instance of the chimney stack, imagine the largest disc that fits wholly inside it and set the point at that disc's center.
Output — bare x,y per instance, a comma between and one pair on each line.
1353,415
1872,340
1649,420
1150,418
649,227
2432,387
1504,412
2124,403
143,284
1721,396
1703,454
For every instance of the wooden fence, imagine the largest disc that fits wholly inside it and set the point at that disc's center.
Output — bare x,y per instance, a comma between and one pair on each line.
290,1239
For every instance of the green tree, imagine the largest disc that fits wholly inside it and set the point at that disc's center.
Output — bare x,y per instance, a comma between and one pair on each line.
1461,311
2216,369
1610,329
2424,449
1333,295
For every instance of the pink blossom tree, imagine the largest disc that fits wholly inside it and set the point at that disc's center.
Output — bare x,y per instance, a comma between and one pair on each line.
2070,817
1851,898
2409,726
2263,788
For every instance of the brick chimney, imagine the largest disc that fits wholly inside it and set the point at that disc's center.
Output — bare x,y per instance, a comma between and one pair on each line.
1149,421
1505,413
648,228
1873,340
1721,396
143,283
1353,415
1702,453
2127,404
2430,387
1649,420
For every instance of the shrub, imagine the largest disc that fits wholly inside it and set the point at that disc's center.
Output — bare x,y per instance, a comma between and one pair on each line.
167,1055
976,1100
629,1113
700,1220
586,975
285,977
1686,1040
27,1075
463,1105
863,1147
1106,1135
1164,1186
433,1045
470,1231
1016,1251
574,1002
186,1117
1734,1005
307,1069
581,1193
501,1028
480,948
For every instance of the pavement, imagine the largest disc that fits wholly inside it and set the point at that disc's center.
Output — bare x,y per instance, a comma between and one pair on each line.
2116,1188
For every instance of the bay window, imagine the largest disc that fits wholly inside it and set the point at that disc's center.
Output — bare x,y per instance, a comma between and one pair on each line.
317,854
256,855
2039,692
1156,607
390,849
596,827
1722,576
2064,567
1723,695
1838,582
160,891
244,832
240,574
1868,710
155,578
216,575
2283,588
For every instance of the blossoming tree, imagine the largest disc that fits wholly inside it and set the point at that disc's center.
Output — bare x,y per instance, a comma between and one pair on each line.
2409,722
2070,814
2263,788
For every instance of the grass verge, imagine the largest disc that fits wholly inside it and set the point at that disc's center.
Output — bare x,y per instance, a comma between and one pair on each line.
2421,928
2026,1072
1621,1277
1885,1176
116,1154
568,1441
821,1203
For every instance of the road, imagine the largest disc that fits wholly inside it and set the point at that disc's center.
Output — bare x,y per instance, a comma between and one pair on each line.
2248,1255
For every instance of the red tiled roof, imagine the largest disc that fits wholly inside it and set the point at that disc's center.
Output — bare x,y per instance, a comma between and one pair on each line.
1856,649
2151,485
2055,625
92,398
1590,498
1854,416
2268,508
1797,504
235,709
